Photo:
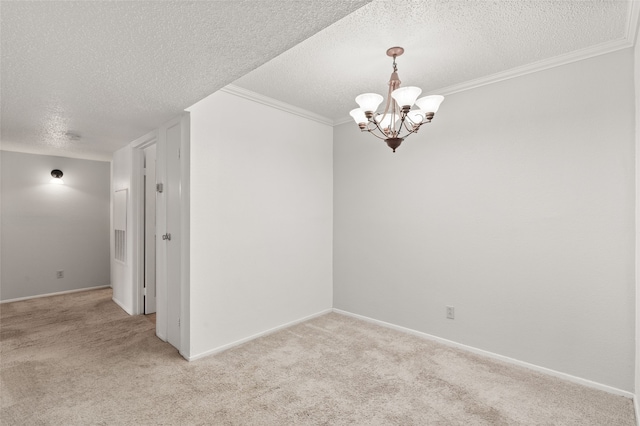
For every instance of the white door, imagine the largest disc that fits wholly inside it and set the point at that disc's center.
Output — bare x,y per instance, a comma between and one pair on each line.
170,202
150,230
173,245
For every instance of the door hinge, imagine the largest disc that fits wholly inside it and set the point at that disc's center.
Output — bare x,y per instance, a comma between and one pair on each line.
159,187
178,152
178,321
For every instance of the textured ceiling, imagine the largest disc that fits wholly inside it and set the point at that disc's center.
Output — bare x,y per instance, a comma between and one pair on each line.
446,43
84,78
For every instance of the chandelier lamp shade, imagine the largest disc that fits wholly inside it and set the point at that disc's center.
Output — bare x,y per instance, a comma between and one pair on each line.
398,120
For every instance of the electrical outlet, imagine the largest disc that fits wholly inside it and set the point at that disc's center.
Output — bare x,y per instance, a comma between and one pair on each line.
451,314
59,274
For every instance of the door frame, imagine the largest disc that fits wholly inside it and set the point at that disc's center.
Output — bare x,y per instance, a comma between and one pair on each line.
149,230
137,186
185,228
137,196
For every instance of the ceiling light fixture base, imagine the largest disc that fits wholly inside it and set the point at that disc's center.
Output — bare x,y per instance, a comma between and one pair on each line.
393,143
395,51
56,177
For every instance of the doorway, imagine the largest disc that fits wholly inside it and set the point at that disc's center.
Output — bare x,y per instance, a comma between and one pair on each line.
160,186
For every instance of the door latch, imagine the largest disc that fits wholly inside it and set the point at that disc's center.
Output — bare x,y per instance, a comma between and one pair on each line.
166,237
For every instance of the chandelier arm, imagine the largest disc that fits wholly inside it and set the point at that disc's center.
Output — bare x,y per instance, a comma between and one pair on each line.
377,127
403,121
376,135
406,126
401,115
412,131
408,122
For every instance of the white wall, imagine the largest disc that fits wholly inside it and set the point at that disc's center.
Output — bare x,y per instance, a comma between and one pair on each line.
47,227
123,272
261,220
515,206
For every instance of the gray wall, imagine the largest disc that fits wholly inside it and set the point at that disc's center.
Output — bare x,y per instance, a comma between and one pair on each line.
47,227
515,206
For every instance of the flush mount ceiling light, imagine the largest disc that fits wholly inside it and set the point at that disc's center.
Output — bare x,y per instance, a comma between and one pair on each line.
57,177
73,135
398,119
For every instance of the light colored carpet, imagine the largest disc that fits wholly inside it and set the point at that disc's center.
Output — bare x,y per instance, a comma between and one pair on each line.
78,359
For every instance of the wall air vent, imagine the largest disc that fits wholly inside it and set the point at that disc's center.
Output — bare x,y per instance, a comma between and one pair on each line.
120,225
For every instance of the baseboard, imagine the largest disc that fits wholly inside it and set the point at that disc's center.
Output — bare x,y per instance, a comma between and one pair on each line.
255,336
488,354
637,407
38,296
122,306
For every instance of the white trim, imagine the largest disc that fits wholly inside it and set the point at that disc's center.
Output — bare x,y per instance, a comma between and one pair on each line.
161,226
523,70
534,67
589,52
633,20
255,336
627,41
38,296
488,354
122,306
137,228
145,141
636,68
185,234
274,103
342,121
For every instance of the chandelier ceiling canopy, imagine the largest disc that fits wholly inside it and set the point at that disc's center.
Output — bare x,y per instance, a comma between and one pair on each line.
398,120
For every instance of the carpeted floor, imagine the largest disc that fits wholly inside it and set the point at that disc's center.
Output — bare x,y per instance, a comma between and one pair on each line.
78,359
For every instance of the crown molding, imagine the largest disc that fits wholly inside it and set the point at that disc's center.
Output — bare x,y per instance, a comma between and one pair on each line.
633,20
534,67
274,103
342,120
629,40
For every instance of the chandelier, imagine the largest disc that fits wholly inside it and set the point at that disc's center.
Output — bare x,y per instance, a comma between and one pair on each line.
398,119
